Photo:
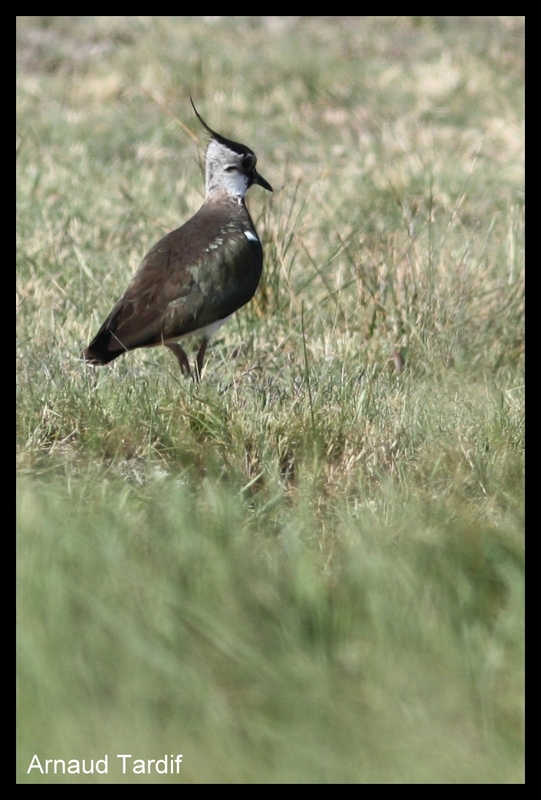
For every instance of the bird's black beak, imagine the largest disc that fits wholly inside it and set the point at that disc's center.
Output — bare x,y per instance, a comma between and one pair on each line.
262,182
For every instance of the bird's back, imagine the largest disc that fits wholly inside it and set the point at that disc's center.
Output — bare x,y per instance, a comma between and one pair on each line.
198,274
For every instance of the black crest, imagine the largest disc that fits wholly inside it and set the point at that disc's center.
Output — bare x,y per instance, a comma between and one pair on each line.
241,149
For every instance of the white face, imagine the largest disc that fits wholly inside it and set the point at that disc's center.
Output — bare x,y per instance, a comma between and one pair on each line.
234,181
225,171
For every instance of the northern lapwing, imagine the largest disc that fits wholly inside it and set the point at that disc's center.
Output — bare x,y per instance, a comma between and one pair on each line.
197,276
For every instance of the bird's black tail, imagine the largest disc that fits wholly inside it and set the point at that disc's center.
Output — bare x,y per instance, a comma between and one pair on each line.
105,346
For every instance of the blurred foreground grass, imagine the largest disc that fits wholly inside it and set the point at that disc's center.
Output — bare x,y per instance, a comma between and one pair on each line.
154,622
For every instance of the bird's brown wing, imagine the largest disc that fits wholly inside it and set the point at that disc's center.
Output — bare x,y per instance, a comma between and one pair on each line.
196,275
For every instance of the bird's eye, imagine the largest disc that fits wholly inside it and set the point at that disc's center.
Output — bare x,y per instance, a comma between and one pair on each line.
248,162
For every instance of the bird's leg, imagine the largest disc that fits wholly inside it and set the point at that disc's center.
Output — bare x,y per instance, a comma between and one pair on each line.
199,359
182,358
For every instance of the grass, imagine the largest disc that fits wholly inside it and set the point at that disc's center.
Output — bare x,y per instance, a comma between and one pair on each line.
309,567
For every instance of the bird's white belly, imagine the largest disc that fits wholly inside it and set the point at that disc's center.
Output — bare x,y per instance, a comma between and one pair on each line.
206,332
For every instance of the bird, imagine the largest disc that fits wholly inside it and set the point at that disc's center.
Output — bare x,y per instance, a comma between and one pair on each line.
195,278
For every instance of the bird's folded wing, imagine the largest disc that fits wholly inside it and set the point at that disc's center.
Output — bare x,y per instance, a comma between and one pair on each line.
179,289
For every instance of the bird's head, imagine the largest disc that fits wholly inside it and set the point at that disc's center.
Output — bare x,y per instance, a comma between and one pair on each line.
230,166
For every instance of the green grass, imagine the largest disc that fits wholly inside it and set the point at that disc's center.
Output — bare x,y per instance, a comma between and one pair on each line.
309,567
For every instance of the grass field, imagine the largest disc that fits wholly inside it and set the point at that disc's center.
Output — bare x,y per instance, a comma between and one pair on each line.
309,567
